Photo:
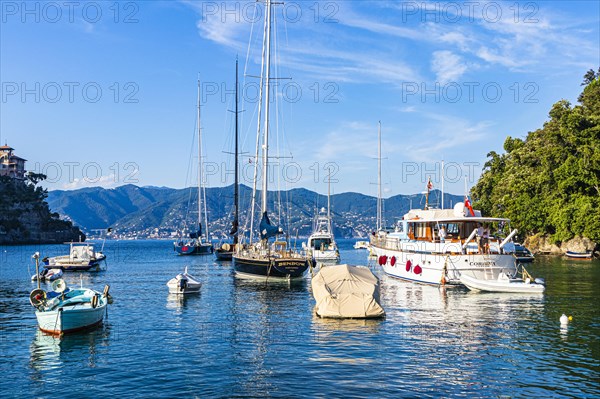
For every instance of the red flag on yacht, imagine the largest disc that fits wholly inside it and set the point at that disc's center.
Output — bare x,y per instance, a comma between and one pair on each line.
429,185
468,206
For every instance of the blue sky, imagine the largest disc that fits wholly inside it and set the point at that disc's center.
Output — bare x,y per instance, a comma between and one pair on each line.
98,94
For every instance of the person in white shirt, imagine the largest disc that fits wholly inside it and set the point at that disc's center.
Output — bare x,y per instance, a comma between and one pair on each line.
442,233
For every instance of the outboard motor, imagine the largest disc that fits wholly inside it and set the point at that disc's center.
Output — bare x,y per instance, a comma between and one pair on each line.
183,284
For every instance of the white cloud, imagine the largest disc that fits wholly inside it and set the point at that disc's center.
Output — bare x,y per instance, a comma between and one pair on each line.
447,66
102,181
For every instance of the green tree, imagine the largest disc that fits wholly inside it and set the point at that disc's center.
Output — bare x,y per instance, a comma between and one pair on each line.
549,182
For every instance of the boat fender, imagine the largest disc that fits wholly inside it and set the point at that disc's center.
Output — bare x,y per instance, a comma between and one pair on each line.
393,261
384,259
418,269
408,265
94,301
106,289
540,281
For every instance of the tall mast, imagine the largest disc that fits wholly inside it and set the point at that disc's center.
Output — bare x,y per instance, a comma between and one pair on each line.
236,189
379,199
265,144
199,162
259,119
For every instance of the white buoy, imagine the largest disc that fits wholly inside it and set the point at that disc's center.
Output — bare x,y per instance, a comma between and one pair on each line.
564,320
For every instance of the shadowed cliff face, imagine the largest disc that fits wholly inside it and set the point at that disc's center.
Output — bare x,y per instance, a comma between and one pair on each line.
25,217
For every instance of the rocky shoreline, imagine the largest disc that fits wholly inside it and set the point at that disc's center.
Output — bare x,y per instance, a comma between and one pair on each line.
543,245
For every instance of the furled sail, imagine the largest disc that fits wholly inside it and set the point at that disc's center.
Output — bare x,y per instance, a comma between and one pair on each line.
267,230
197,234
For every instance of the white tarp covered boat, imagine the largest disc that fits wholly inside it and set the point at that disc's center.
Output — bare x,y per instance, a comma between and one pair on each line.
503,284
184,283
345,291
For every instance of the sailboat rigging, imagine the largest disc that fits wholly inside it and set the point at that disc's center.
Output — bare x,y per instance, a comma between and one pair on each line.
226,250
262,259
197,243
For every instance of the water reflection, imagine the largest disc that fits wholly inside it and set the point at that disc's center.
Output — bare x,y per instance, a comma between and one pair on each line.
49,352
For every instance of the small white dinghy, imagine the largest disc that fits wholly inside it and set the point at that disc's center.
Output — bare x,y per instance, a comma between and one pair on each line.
504,283
48,275
184,283
346,292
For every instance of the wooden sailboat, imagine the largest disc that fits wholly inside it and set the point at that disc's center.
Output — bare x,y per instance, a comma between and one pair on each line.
197,243
266,260
225,252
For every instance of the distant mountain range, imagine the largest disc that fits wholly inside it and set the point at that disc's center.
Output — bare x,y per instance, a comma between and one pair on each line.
140,212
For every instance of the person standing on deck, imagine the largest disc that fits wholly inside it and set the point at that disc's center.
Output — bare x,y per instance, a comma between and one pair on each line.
480,237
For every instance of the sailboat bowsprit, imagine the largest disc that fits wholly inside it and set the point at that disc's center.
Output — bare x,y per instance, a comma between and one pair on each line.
262,259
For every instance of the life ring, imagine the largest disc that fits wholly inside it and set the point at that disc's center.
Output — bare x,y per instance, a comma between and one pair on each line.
408,265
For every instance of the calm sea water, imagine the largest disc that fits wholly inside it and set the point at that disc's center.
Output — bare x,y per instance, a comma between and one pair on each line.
243,339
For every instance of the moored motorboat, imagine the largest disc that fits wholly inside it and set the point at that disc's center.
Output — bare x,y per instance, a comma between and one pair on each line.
82,257
184,283
579,255
321,245
435,246
523,254
47,275
344,291
503,283
66,310
361,244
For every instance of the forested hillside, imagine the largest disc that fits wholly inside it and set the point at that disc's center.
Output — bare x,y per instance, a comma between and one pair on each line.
25,216
549,183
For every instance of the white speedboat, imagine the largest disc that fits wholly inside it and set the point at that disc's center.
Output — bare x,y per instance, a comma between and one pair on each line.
65,310
503,283
184,283
81,257
321,245
361,245
47,275
344,291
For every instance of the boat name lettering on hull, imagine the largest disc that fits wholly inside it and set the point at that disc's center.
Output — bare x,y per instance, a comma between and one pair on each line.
482,264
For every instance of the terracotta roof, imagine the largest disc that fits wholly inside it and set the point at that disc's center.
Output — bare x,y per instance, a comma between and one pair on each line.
6,147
